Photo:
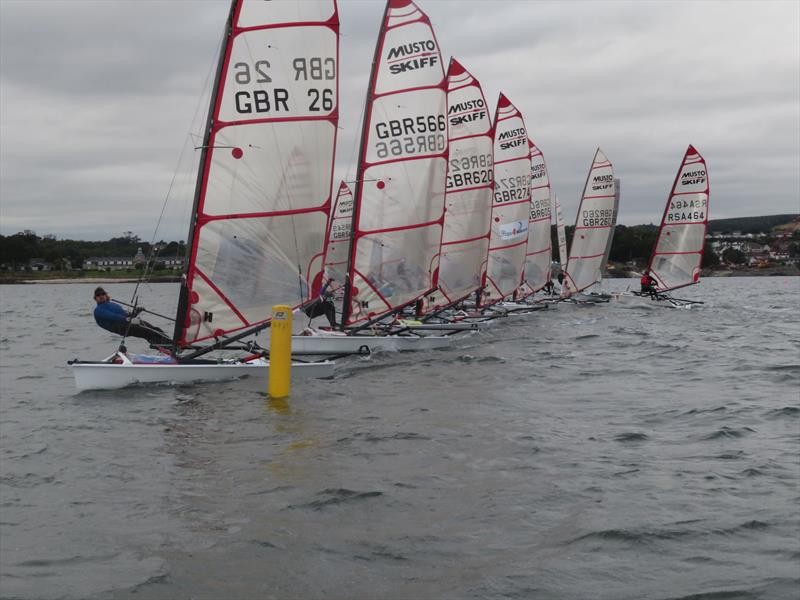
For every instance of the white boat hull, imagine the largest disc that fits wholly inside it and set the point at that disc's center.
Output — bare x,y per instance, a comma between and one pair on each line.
109,376
322,343
428,329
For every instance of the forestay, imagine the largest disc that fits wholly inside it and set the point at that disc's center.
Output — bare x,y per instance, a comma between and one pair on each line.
592,226
399,198
263,194
339,235
511,203
538,255
468,197
562,236
678,253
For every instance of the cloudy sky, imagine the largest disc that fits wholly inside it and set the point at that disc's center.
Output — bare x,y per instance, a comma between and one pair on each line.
99,99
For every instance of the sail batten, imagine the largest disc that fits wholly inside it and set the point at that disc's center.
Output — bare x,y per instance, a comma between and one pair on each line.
263,195
678,253
399,196
593,225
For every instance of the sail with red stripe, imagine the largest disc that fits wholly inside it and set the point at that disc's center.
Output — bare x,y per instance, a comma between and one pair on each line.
511,203
339,235
539,253
592,226
678,252
264,184
399,196
468,197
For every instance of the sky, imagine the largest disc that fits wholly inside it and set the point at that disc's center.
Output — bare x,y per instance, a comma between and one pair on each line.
99,100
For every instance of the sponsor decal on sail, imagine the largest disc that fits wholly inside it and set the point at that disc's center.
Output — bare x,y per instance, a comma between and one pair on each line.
417,55
513,231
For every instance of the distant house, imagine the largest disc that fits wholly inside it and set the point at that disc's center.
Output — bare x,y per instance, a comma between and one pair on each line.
107,263
173,263
38,264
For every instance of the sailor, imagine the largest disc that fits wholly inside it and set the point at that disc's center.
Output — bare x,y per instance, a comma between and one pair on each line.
561,278
549,288
648,284
112,317
323,305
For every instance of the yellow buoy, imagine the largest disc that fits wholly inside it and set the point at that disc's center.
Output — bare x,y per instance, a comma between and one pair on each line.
280,351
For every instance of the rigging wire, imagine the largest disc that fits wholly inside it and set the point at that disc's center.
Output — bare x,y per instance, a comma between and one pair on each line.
153,251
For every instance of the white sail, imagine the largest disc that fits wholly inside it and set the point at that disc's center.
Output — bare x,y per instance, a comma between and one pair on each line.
399,199
562,236
468,198
511,204
263,195
339,231
592,226
538,255
678,252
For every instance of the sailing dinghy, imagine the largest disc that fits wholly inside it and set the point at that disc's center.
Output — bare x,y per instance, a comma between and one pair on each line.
510,207
339,236
593,227
539,252
561,234
262,199
468,194
398,205
678,253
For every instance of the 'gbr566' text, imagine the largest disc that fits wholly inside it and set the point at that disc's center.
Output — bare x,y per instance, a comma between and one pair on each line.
265,100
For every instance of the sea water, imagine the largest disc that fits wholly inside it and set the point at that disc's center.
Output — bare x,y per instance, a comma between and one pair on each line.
579,452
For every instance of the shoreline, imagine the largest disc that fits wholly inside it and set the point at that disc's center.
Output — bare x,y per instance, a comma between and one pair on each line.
97,280
775,272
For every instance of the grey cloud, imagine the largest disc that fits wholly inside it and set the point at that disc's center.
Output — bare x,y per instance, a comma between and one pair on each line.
97,98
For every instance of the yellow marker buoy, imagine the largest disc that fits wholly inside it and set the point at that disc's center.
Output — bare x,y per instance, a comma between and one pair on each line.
280,351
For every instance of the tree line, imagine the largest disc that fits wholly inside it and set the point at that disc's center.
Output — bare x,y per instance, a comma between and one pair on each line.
17,250
630,244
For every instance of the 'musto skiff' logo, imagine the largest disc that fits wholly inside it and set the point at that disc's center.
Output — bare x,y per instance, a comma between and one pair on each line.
412,56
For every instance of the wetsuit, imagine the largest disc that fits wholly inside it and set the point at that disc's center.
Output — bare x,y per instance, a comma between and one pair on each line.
112,317
648,284
322,306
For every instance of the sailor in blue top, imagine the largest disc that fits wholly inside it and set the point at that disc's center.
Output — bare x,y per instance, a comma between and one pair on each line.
112,317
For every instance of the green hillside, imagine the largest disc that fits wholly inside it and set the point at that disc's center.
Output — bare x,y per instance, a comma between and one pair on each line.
750,224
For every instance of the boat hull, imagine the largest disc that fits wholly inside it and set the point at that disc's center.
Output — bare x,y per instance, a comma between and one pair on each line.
109,376
634,300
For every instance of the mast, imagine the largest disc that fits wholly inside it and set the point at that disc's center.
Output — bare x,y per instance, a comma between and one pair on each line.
678,253
183,298
399,199
592,225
